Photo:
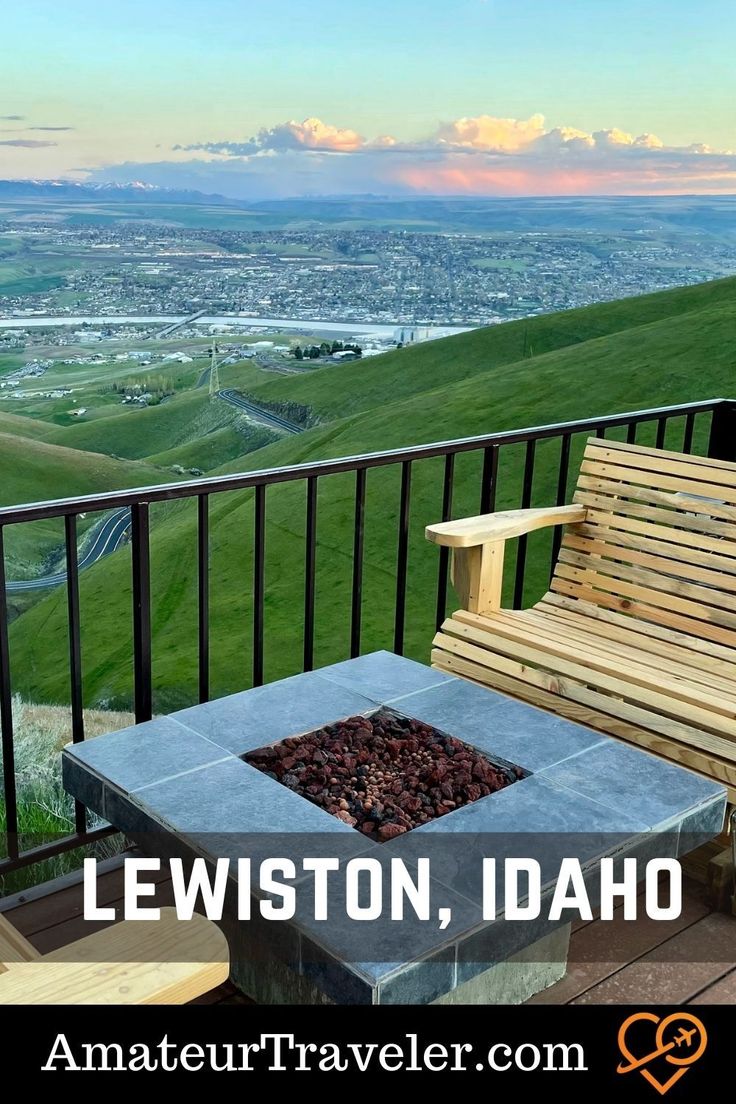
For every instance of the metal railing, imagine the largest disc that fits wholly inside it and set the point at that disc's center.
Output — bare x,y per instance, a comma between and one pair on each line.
709,426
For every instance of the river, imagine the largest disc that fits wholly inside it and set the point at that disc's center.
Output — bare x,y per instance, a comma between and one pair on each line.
374,329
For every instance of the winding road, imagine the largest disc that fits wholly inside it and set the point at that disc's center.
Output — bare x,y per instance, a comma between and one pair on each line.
107,535
275,420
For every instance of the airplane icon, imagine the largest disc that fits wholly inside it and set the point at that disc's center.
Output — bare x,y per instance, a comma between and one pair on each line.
684,1037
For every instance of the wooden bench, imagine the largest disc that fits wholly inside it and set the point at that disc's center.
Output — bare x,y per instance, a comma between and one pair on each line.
166,961
637,634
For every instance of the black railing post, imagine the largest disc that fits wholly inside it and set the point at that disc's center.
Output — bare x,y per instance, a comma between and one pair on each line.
661,433
562,477
6,719
444,551
143,705
310,567
75,649
402,558
722,440
356,601
203,596
259,580
526,501
489,480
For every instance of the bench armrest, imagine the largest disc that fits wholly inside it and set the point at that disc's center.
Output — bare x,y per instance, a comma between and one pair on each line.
501,526
109,982
165,961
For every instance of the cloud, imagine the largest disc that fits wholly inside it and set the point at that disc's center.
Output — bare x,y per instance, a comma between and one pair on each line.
487,132
611,139
26,143
12,118
229,149
310,134
51,128
473,155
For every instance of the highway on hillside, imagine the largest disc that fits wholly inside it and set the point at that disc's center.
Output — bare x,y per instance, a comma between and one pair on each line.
107,536
274,420
109,533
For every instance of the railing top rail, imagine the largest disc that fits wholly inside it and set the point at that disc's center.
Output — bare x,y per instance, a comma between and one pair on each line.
36,511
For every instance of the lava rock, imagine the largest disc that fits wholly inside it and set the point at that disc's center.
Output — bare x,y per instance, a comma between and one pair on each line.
384,774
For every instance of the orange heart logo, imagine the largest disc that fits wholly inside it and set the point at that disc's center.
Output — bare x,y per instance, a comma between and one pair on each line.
680,1039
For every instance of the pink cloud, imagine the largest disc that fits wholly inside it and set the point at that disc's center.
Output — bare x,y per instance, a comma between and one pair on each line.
473,155
468,179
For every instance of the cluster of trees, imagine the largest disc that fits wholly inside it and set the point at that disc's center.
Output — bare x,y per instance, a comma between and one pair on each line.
159,387
326,348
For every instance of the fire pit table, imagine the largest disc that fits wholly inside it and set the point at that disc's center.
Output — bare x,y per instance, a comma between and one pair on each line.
385,759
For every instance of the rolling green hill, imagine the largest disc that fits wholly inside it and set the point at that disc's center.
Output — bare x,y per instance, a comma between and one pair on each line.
34,469
135,433
189,429
217,447
665,348
339,390
21,426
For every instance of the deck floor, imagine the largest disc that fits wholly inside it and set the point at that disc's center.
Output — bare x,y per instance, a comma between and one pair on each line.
655,962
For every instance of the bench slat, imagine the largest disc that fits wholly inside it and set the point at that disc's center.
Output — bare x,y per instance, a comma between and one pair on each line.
603,619
649,462
712,602
679,662
583,708
631,552
658,480
643,451
688,743
678,553
691,702
638,608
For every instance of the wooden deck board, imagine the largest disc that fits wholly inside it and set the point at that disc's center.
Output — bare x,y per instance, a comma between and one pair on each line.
722,992
672,972
653,961
599,951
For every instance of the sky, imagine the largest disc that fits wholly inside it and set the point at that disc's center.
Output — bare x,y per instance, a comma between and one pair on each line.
283,98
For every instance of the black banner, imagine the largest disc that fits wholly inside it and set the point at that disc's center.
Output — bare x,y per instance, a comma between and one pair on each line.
645,1053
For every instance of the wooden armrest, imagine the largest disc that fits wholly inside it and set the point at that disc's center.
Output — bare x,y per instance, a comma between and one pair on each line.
109,982
14,947
166,961
501,526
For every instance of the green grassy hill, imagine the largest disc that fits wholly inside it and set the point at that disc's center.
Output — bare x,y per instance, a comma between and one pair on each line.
217,447
666,348
136,432
20,426
190,429
339,390
34,470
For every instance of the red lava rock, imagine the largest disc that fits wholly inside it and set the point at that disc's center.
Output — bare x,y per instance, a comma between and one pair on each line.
384,774
261,755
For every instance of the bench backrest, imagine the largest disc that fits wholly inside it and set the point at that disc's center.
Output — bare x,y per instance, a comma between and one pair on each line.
659,540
